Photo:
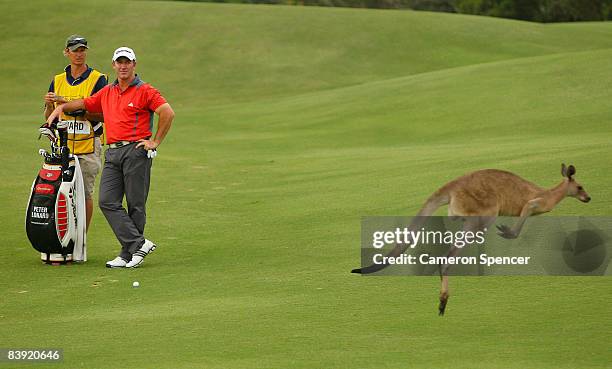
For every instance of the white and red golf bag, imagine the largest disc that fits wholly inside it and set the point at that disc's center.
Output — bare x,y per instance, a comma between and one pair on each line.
55,217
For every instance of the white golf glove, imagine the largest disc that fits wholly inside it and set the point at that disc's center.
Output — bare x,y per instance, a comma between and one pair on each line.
151,153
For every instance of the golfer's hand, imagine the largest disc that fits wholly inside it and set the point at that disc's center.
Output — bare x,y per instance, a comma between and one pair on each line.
147,144
54,115
150,146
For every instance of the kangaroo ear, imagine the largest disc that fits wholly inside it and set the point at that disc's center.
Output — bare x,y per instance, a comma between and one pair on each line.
563,170
571,171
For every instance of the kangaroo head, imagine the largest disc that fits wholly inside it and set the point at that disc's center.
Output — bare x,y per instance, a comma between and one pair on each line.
574,189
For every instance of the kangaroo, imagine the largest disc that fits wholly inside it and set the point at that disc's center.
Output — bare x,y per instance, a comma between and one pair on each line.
484,195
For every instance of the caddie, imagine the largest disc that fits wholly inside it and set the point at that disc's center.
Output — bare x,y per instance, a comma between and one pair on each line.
79,81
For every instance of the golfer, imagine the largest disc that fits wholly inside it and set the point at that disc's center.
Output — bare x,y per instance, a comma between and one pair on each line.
128,105
77,82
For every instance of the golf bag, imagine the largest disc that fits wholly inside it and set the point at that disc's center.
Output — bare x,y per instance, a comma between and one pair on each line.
55,217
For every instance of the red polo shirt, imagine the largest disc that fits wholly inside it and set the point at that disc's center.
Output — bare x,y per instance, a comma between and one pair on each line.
128,115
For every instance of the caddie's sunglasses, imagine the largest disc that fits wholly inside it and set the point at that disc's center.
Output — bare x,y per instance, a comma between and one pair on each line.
77,41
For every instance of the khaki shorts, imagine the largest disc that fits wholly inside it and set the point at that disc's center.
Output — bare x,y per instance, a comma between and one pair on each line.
90,167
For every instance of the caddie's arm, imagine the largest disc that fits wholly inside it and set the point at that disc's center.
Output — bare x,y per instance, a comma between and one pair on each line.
166,116
69,106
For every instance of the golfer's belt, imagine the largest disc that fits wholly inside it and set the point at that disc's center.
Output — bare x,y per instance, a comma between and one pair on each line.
120,144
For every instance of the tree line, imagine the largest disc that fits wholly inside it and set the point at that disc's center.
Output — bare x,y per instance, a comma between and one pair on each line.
529,10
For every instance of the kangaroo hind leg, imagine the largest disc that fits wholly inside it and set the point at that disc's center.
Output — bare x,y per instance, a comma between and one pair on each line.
471,224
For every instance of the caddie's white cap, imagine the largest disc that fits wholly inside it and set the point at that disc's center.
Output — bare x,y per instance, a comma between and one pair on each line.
125,52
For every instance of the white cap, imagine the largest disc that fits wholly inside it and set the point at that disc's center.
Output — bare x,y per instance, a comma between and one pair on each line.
125,52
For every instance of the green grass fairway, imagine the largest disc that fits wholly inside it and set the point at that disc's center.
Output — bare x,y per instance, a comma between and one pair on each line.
293,123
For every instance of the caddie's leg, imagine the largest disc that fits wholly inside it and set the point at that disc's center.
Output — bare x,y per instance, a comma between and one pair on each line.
137,175
110,200
88,212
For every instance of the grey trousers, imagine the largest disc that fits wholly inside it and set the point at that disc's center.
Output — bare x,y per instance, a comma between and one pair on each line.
126,172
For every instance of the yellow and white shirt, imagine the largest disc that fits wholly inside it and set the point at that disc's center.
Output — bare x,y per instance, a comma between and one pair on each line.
81,134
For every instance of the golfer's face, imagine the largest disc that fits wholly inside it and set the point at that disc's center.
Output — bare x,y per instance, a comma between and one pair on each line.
124,68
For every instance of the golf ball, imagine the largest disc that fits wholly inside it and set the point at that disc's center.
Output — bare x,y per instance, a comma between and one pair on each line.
136,284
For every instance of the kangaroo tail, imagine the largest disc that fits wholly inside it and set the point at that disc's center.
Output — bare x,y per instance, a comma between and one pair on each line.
431,205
